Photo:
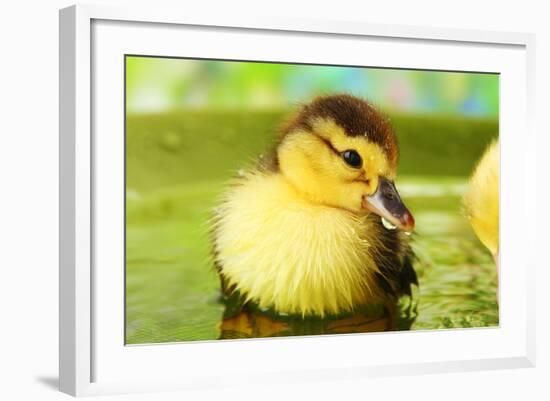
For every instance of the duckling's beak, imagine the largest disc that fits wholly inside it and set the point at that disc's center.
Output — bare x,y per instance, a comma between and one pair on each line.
387,204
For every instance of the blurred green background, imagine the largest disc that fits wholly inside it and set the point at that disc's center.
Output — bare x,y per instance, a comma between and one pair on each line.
191,124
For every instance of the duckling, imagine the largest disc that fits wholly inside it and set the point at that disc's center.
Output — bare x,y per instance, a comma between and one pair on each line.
481,200
318,227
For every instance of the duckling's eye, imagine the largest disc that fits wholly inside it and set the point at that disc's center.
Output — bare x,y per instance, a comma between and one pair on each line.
352,158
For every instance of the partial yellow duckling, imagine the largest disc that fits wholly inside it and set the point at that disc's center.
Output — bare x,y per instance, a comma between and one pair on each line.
318,228
482,199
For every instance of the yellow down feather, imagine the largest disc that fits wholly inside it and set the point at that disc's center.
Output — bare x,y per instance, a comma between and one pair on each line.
482,199
311,259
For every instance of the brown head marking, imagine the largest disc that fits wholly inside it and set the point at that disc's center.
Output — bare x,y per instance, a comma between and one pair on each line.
356,116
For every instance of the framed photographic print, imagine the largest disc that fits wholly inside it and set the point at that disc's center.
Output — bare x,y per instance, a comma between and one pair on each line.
288,200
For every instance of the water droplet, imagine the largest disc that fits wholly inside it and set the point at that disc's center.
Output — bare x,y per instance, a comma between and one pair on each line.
388,225
170,141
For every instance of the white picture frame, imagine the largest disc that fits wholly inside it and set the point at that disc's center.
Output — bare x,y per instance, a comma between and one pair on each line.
93,357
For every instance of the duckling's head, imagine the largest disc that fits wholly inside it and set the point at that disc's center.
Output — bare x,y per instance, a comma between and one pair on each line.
342,152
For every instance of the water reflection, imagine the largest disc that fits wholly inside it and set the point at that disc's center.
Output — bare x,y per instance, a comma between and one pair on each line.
247,321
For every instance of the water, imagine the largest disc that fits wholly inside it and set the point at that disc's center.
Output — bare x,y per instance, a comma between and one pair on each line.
173,295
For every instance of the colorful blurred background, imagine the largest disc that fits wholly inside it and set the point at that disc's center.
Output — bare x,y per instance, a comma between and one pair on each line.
192,124
159,84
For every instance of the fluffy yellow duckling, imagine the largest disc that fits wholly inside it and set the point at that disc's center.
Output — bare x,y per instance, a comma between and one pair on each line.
482,199
318,228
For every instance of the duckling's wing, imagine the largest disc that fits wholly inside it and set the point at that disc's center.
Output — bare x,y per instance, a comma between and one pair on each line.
407,275
395,261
